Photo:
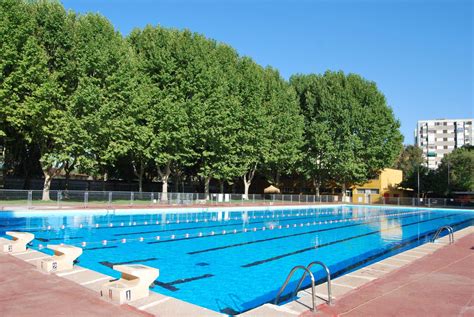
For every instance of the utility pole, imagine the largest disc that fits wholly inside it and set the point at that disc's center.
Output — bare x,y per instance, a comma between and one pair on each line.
418,182
448,175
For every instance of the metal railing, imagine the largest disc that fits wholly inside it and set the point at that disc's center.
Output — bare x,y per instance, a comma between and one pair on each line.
288,278
328,278
417,202
121,199
450,234
113,199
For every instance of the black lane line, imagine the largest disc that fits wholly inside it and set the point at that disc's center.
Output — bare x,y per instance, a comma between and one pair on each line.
111,264
334,242
170,285
280,237
101,248
165,286
64,238
358,264
215,226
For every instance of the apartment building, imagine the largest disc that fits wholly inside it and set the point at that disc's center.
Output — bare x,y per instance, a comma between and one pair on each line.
440,137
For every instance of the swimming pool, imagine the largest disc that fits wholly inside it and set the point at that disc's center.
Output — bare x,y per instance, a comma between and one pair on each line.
234,260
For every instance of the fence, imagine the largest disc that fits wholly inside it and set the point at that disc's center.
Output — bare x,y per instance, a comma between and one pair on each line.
121,199
112,199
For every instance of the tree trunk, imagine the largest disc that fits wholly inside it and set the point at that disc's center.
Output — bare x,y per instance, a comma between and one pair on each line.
277,179
317,185
246,189
343,189
207,182
47,185
68,167
49,173
247,178
176,182
164,190
139,173
104,181
221,185
164,175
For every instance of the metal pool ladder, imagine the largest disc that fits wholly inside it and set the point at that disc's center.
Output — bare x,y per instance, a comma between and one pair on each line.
450,233
307,270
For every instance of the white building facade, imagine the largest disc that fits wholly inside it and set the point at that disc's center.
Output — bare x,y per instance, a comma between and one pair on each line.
439,137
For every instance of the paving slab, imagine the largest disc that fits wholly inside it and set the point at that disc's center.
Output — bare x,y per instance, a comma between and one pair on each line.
173,307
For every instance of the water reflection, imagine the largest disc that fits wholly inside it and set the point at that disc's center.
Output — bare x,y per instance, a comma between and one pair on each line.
390,229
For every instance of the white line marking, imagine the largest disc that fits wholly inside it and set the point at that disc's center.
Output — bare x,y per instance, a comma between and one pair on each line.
41,257
408,255
70,273
396,259
370,278
24,252
143,307
343,285
324,296
393,265
95,280
419,252
372,269
283,309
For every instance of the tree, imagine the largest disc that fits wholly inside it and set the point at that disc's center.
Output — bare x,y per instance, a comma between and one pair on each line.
103,99
253,139
349,129
163,82
285,125
214,120
456,171
410,162
37,83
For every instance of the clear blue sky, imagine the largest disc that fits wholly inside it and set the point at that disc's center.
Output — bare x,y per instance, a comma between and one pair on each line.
419,52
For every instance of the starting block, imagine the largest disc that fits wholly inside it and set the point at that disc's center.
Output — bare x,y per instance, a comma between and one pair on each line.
18,242
62,260
132,285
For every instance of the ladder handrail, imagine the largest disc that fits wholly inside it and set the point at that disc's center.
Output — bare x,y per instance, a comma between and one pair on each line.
293,270
328,275
450,233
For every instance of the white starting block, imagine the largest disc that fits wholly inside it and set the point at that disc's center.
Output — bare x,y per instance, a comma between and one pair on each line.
63,258
18,242
132,285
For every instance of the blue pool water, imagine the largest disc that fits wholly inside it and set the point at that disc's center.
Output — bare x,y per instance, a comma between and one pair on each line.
233,261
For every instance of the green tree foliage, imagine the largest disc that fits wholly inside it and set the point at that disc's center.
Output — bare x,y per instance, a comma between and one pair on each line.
84,98
409,160
456,171
102,102
163,97
37,93
351,133
285,124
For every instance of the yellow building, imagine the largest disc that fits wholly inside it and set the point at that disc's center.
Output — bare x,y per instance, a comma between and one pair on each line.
385,185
